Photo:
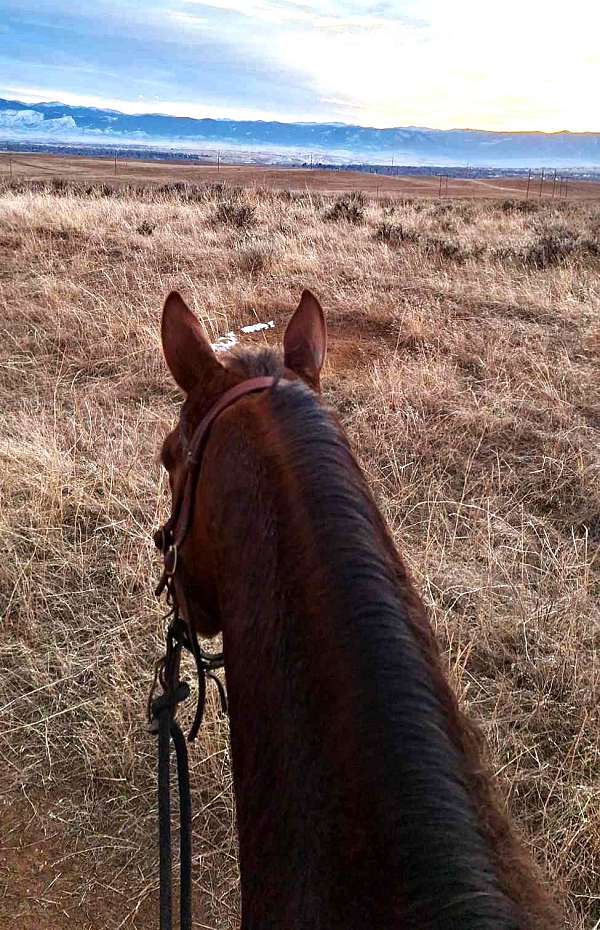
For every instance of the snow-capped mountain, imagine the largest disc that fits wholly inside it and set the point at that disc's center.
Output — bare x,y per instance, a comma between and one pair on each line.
38,122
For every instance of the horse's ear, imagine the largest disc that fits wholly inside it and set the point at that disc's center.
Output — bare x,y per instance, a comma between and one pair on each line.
189,356
305,340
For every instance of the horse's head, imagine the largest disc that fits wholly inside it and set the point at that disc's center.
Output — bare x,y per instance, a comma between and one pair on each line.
204,379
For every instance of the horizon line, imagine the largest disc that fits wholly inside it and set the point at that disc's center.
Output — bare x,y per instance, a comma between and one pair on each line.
284,122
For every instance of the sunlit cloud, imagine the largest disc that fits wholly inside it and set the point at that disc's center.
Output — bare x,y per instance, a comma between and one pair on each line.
388,63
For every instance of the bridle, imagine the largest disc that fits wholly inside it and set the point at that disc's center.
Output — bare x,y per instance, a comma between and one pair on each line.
182,635
171,536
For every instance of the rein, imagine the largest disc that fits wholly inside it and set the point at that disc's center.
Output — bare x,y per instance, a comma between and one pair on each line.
180,635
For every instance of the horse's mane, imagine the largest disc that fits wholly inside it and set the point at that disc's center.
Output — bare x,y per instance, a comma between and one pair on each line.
432,807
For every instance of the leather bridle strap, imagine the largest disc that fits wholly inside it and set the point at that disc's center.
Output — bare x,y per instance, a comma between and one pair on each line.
198,444
170,537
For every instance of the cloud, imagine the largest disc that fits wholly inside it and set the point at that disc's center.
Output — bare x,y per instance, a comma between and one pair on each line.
382,63
204,63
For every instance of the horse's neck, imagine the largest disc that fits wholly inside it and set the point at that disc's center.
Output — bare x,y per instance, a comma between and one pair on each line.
312,761
352,794
302,823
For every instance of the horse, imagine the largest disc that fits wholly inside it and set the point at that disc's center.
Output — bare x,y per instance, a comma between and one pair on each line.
361,797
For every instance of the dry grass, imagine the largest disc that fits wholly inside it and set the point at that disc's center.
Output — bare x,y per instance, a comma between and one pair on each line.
467,375
85,171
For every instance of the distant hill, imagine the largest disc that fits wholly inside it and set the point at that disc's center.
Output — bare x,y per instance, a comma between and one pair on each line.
41,122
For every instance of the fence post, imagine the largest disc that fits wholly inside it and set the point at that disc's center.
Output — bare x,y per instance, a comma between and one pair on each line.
541,184
528,183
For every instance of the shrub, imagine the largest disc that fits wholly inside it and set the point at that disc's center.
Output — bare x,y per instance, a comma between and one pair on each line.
450,249
100,190
237,213
173,188
519,206
348,208
301,198
384,230
552,248
446,248
146,228
216,188
441,208
448,225
187,193
395,233
254,256
60,187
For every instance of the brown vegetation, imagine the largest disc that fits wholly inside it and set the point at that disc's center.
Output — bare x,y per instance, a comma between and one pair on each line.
464,363
93,171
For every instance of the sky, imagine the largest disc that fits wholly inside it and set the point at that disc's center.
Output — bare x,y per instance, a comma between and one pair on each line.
515,65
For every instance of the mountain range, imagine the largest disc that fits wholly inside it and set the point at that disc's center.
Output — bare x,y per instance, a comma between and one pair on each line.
60,123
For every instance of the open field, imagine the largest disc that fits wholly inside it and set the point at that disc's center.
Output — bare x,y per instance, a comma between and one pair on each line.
464,362
93,170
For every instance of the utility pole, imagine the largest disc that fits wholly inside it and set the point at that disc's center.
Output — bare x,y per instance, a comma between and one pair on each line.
528,183
541,184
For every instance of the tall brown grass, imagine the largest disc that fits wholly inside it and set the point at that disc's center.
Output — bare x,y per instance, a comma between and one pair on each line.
465,368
